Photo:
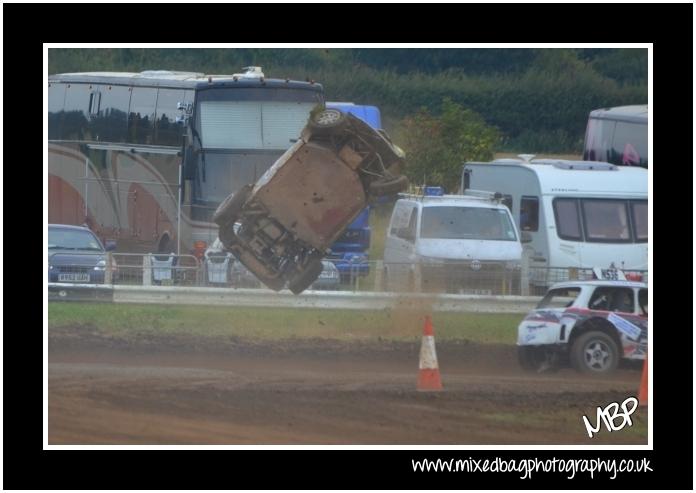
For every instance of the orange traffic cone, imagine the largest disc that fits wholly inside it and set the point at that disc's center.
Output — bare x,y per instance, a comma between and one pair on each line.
429,373
643,392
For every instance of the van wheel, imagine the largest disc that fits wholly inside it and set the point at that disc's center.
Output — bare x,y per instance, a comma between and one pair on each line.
327,121
388,186
228,211
594,353
303,279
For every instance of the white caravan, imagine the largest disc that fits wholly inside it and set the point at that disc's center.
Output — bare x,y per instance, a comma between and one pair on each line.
579,214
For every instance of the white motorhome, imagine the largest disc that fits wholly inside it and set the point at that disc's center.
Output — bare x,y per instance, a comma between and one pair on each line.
579,214
456,243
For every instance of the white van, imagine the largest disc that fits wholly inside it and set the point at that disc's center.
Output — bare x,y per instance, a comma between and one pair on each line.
452,243
579,214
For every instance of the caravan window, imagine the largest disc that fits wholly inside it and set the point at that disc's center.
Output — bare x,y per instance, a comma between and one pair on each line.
529,213
567,219
606,220
640,220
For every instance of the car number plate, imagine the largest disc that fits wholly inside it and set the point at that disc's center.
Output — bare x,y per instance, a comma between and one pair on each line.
73,277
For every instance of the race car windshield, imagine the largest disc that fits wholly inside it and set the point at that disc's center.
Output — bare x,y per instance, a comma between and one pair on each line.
467,223
559,298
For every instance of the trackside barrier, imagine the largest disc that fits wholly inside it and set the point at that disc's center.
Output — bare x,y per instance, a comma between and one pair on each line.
224,270
311,299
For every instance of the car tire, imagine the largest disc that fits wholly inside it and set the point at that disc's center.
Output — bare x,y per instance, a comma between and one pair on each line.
594,353
304,278
228,211
327,121
388,186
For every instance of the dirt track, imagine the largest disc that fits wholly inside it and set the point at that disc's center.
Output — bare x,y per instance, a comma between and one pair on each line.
174,391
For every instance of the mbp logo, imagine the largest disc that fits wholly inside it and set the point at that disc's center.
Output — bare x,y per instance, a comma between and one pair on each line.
610,414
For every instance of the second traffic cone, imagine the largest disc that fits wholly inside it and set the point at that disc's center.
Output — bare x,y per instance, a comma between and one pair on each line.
429,373
643,392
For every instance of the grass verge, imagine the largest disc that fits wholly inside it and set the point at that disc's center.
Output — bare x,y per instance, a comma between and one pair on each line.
131,320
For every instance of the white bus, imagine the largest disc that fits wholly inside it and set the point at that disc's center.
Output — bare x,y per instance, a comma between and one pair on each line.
618,135
145,158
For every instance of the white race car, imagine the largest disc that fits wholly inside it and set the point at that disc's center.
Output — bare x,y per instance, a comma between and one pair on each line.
589,324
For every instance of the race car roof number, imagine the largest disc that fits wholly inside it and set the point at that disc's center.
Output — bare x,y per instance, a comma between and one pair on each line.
609,274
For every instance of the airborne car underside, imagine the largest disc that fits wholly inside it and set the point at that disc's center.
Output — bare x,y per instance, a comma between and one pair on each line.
306,200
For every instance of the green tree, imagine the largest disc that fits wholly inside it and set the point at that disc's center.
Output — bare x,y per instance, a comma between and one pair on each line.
538,98
437,146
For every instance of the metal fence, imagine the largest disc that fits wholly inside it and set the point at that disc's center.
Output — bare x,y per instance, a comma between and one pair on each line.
223,270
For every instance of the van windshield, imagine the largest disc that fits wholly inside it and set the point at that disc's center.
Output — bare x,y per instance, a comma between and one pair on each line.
467,223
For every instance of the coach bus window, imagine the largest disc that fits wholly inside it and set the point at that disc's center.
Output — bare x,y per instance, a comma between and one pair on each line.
231,124
600,134
141,116
529,213
56,100
110,123
253,118
167,131
639,210
606,220
74,122
283,122
567,219
630,145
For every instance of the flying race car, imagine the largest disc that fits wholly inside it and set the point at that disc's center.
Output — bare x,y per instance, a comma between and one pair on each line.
306,200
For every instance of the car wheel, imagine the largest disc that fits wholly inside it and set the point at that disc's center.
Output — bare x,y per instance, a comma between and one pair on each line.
532,358
303,279
228,211
388,186
594,353
327,121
